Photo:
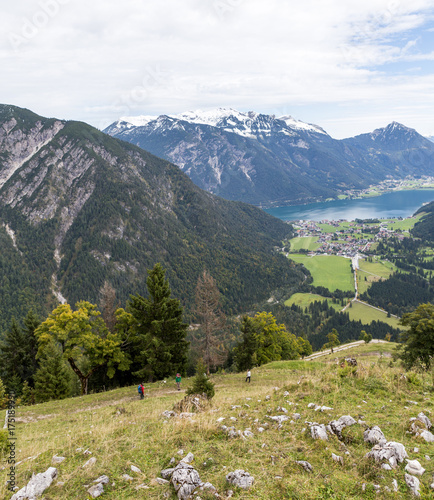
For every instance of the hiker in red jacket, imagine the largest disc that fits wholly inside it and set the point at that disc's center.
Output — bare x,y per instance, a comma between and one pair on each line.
141,391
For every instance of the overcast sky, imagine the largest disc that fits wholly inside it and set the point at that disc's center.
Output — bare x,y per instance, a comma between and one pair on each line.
349,66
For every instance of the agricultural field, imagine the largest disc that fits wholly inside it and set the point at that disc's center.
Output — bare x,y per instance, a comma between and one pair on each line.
403,225
330,271
303,300
309,243
373,271
366,314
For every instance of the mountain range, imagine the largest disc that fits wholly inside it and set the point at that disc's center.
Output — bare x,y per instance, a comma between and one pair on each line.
79,208
267,160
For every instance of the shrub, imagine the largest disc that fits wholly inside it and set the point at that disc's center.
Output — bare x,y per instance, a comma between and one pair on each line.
201,383
4,443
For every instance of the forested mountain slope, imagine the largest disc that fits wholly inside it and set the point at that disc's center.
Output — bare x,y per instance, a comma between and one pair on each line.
78,207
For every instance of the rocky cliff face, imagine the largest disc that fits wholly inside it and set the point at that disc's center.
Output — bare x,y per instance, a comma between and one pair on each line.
84,208
265,160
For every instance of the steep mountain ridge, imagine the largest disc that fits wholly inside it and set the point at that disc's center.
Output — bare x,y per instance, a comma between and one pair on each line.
84,208
266,160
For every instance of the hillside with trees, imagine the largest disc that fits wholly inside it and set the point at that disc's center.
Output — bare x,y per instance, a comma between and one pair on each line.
79,209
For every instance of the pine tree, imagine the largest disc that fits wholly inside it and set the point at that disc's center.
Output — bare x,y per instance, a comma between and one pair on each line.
3,397
212,322
201,383
160,331
27,395
52,379
18,351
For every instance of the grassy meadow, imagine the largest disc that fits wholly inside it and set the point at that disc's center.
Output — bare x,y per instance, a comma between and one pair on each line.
330,271
305,299
366,314
119,431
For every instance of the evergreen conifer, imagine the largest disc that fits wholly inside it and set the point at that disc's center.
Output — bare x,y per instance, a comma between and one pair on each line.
160,332
52,379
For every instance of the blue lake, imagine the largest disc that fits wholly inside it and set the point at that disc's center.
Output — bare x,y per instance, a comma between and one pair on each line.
394,204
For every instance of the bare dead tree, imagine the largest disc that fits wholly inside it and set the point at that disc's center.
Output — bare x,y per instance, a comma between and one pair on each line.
212,330
108,305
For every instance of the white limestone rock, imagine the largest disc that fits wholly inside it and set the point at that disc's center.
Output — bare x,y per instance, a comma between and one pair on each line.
102,479
393,452
188,458
319,432
413,483
136,469
96,490
37,485
185,480
167,473
374,436
240,478
306,465
414,467
337,426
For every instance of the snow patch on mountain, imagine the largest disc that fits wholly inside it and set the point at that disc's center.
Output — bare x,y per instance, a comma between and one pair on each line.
299,125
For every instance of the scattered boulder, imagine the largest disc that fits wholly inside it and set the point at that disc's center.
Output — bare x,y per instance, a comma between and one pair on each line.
393,452
167,473
337,426
338,459
413,483
188,458
37,485
102,479
424,419
57,460
185,480
306,465
427,436
169,414
162,481
136,469
278,418
319,432
413,467
96,490
374,436
240,478
127,477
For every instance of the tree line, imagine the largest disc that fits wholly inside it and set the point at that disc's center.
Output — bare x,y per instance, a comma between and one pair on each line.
75,350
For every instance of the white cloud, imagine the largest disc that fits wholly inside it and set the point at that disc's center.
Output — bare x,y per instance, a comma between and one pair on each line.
98,60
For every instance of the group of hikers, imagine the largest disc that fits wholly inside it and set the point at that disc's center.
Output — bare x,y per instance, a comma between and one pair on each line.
141,387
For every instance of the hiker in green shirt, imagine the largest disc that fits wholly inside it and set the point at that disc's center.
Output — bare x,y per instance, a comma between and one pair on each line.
178,381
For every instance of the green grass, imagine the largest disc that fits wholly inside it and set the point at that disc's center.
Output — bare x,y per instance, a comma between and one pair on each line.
308,242
328,228
305,299
405,224
373,271
367,315
119,430
330,271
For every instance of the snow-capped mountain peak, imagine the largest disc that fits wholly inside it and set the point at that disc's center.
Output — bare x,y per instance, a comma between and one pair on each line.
247,124
138,121
299,125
